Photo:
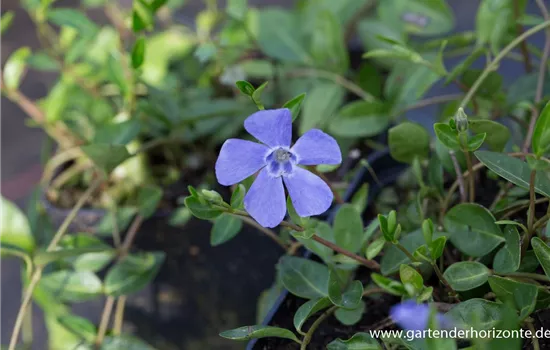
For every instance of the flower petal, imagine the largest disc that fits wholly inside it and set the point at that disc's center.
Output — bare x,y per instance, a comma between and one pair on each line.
238,160
316,147
272,126
411,316
265,201
309,193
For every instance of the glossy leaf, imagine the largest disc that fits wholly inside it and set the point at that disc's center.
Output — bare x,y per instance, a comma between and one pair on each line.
237,197
360,119
348,228
132,273
521,296
308,309
541,142
106,156
447,136
320,104
245,87
370,31
15,67
72,286
375,247
253,332
466,275
497,134
80,326
476,141
350,317
473,229
542,252
409,276
359,341
225,228
295,105
436,247
508,258
393,257
201,210
15,230
407,141
389,285
514,170
480,314
303,277
348,298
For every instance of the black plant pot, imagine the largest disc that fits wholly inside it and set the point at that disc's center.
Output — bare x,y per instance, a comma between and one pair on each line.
387,171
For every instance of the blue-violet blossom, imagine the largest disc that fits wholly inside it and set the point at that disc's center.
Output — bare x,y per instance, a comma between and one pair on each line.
278,163
412,316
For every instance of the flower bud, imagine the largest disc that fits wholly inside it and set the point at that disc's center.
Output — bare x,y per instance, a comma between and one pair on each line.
461,120
212,196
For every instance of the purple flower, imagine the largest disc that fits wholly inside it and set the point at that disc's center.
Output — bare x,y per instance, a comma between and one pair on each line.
278,162
412,316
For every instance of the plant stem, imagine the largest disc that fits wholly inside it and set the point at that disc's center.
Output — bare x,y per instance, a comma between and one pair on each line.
405,251
531,213
269,233
316,325
533,276
459,177
494,64
444,281
534,338
35,278
523,46
471,178
540,222
104,323
119,314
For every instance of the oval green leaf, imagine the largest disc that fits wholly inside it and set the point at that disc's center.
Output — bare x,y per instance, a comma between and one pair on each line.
466,275
305,311
253,332
225,228
132,273
303,277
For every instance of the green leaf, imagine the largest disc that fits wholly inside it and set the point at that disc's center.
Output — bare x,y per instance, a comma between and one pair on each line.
79,326
466,275
323,230
72,286
473,229
142,17
15,229
308,309
537,164
42,61
237,197
303,277
74,19
124,342
347,299
122,217
447,136
253,332
514,170
389,285
407,141
508,258
91,258
267,301
476,141
201,210
320,105
6,21
359,341
225,228
132,273
148,200
350,317
460,68
375,247
419,17
245,87
479,314
489,88
277,36
436,247
494,20
348,228
295,105
497,134
393,257
370,31
237,9
541,143
521,296
106,156
360,119
15,67
326,44
117,133
542,252
138,53
257,94
409,276
359,201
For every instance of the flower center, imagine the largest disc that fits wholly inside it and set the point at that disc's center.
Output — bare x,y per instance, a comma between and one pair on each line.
280,162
